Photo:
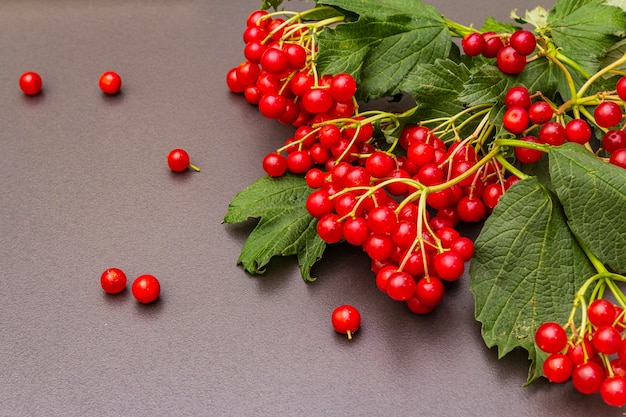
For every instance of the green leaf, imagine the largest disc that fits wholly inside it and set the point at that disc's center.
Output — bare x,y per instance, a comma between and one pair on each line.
593,194
285,227
538,17
486,85
585,29
527,266
384,45
493,25
436,88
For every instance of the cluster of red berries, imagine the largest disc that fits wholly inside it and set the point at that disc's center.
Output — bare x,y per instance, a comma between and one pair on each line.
31,83
145,288
279,77
525,116
374,202
509,50
596,361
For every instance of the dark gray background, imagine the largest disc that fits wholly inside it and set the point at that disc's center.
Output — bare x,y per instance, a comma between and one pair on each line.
85,186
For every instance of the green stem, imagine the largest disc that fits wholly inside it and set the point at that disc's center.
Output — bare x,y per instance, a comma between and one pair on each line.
600,73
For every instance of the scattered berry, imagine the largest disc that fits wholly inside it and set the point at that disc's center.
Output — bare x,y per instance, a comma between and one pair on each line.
346,319
110,82
113,280
146,288
30,83
178,161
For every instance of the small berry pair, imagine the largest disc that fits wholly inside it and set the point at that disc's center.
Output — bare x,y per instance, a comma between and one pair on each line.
30,83
146,288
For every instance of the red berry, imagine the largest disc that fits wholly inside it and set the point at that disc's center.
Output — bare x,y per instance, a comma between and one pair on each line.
178,160
400,286
470,209
557,368
429,290
515,120
618,158
493,44
550,337
329,228
473,44
274,164
523,41
517,96
588,377
146,288
342,87
346,319
552,133
578,131
317,100
607,340
526,155
449,265
613,391
621,88
613,140
509,61
601,312
274,61
607,114
30,83
113,280
110,82
540,112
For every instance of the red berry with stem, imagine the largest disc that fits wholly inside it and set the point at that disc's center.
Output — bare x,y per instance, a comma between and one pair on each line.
527,155
355,231
523,41
613,391
493,44
30,83
471,209
110,82
346,319
558,367
587,377
606,339
473,44
274,164
449,265
274,61
515,120
146,288
618,158
329,228
178,161
400,286
601,312
550,337
509,61
429,290
607,114
342,87
517,96
613,140
578,131
540,112
317,100
113,280
552,133
620,86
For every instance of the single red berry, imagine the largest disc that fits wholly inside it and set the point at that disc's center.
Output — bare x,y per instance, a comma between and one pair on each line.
613,391
346,319
550,337
621,88
274,164
113,280
110,82
146,288
30,83
429,290
329,228
558,367
517,96
515,120
613,140
178,160
523,41
607,340
601,312
618,158
527,155
493,44
449,265
342,87
552,133
471,209
509,61
588,377
473,44
400,286
578,131
607,114
540,112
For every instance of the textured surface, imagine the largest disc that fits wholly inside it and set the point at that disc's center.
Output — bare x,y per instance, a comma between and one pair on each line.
85,187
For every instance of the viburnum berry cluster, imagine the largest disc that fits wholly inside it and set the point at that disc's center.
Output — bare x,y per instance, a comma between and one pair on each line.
525,132
593,354
534,119
510,50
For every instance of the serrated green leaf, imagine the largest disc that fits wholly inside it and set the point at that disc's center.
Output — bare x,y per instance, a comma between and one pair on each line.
436,88
585,29
486,85
285,227
384,45
593,194
493,25
538,17
526,269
